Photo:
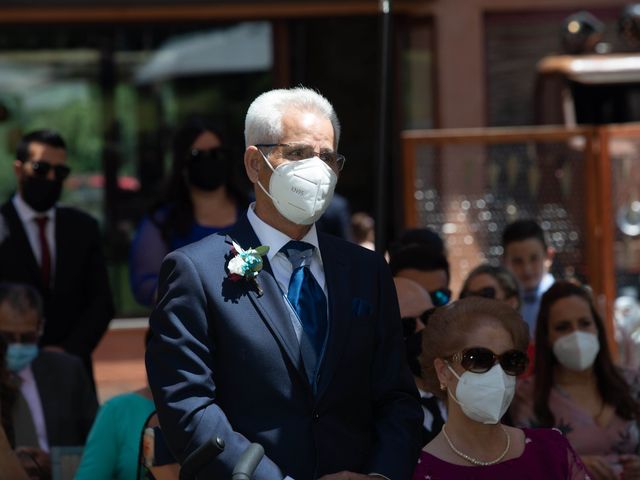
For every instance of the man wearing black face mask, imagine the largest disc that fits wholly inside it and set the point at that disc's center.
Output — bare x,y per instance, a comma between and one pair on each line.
55,249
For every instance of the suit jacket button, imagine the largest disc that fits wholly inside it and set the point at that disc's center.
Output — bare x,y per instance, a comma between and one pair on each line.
316,416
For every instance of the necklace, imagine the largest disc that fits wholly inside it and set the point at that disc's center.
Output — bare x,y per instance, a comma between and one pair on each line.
475,461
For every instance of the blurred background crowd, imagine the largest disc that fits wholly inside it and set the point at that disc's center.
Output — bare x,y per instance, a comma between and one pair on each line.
121,141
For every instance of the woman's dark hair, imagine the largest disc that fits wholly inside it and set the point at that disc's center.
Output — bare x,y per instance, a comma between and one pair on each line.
177,198
612,387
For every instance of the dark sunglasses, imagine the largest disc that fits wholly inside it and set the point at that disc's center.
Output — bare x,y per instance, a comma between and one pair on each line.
15,337
409,323
41,168
218,153
440,297
486,292
481,360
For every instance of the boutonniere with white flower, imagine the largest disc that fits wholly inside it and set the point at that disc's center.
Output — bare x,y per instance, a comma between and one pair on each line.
246,264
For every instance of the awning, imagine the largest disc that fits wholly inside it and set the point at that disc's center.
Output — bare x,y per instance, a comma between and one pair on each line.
246,47
594,69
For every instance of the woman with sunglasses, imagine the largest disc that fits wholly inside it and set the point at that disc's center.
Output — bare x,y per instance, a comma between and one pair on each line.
498,283
494,282
202,198
577,388
473,350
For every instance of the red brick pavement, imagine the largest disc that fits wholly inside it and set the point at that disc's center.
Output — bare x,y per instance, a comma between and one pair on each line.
118,362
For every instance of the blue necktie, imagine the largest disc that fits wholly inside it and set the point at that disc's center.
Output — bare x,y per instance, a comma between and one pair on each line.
309,302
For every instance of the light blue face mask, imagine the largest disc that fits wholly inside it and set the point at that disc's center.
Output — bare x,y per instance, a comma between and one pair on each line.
19,355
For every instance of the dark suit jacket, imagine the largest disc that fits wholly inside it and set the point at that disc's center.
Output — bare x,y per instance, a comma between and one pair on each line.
224,360
78,309
69,404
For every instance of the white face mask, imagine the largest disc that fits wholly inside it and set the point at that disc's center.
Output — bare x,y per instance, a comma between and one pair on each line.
577,351
484,397
302,190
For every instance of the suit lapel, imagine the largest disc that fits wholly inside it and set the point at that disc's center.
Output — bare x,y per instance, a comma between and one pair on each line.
270,302
336,276
20,241
43,379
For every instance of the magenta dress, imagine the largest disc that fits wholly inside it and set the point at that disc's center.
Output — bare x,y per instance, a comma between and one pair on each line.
547,455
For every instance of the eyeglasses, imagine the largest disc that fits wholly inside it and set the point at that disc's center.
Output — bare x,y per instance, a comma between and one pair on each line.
41,169
481,360
440,297
16,337
197,155
300,151
486,292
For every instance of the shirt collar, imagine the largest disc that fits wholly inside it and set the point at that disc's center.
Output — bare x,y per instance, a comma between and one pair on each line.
543,286
274,238
26,213
424,394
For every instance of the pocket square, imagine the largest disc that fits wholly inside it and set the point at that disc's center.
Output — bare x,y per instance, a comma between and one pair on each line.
360,307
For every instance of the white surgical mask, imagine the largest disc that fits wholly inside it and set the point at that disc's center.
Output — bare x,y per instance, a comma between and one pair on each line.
577,351
484,397
302,190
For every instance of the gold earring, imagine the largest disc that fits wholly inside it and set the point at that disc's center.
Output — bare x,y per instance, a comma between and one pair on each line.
443,386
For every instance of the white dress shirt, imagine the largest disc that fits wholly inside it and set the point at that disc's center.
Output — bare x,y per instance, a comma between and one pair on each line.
280,264
29,391
28,217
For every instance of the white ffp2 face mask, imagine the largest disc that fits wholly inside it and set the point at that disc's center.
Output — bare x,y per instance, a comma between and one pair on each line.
484,397
577,351
301,190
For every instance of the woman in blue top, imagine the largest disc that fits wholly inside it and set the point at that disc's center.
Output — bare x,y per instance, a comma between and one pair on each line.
202,198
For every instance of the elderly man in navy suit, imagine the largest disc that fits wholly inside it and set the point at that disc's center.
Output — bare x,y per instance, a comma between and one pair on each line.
275,333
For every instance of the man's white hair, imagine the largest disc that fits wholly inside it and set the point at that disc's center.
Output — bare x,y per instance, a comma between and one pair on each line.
263,123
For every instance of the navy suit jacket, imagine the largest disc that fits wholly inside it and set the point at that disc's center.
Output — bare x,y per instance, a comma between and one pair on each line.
224,360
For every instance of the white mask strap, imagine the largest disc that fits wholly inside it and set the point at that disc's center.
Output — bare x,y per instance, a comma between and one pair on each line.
448,389
452,370
266,160
260,184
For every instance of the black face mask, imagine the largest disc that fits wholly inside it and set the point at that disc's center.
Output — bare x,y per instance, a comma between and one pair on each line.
208,169
41,194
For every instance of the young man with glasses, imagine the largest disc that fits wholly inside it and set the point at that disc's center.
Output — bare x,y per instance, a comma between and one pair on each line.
55,249
297,347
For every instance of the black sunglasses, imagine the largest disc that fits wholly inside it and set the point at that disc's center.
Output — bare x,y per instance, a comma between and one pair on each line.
486,292
481,360
440,297
197,155
409,323
41,168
